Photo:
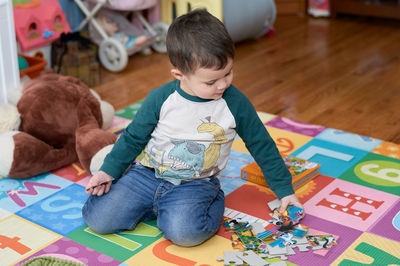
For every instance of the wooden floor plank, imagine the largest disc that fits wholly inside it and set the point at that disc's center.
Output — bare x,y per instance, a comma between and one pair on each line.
340,73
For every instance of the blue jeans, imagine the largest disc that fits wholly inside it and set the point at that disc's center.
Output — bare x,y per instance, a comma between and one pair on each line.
188,214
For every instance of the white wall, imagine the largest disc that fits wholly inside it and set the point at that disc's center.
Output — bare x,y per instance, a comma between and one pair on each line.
9,73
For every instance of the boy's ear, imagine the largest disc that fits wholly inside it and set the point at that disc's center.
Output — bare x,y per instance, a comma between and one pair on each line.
176,73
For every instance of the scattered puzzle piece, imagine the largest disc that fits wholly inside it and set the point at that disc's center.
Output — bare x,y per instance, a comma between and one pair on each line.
231,257
302,248
326,241
252,258
278,263
275,204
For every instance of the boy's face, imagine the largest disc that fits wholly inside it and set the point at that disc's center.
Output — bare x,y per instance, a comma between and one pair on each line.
206,83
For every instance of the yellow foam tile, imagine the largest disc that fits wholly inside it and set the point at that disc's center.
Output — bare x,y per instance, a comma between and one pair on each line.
370,249
286,141
265,117
164,252
20,238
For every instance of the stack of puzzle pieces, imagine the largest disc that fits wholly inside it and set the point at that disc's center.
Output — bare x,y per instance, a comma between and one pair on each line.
278,239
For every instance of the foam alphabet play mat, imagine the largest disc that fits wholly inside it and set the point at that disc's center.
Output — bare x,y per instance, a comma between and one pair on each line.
352,209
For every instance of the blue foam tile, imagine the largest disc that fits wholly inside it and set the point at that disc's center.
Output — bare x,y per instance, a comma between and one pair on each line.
334,158
61,212
349,139
16,194
230,177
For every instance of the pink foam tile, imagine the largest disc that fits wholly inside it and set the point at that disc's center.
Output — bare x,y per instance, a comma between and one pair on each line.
350,204
68,249
119,122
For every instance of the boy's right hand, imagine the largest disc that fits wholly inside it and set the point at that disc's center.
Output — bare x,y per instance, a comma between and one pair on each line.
99,184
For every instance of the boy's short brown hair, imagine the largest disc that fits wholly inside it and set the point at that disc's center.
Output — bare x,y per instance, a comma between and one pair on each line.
198,39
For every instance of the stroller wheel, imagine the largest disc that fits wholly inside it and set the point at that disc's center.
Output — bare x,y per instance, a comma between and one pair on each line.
113,55
159,43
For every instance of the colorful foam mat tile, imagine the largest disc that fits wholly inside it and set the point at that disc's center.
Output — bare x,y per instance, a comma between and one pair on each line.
20,238
85,255
265,117
388,225
376,171
370,249
130,111
286,141
350,204
4,213
120,246
334,158
388,149
164,252
118,123
60,212
230,176
296,126
16,194
349,139
73,172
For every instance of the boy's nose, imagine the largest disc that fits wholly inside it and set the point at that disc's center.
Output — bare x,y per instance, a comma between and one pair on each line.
223,84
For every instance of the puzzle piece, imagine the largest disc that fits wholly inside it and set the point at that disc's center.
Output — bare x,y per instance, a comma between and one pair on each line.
275,204
290,251
231,257
299,232
278,263
236,243
252,258
279,242
277,250
287,237
326,241
257,228
302,248
282,257
301,241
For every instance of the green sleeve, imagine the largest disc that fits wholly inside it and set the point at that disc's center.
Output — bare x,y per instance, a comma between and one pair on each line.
138,133
259,143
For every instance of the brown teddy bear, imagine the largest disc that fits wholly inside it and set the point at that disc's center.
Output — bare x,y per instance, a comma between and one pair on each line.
57,121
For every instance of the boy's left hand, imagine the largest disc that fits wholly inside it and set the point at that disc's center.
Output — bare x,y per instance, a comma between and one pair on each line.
289,200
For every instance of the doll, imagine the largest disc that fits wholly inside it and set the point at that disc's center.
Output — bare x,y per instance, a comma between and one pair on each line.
129,41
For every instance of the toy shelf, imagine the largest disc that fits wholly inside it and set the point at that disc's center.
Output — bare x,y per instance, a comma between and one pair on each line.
377,8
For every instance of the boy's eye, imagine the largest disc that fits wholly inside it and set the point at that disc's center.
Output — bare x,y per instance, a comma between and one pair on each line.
210,83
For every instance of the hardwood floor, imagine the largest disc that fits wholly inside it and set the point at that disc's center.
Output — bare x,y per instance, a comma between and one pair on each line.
340,73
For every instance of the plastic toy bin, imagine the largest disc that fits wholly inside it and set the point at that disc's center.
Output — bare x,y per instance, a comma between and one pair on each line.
35,66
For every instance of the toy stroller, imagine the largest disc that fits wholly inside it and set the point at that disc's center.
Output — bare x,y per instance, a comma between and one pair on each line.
116,36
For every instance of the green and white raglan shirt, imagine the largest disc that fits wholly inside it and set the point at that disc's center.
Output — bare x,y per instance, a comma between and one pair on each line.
184,137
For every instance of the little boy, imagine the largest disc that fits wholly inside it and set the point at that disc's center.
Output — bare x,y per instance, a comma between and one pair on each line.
185,130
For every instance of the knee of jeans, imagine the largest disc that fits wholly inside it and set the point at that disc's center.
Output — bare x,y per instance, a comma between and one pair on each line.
186,236
100,225
188,239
